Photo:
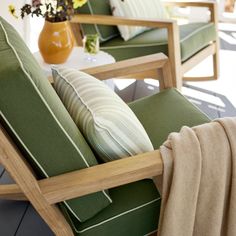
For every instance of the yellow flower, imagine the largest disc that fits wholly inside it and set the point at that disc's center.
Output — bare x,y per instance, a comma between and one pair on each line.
60,8
78,3
12,10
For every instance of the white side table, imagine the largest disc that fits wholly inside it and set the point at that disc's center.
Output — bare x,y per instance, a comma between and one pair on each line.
77,60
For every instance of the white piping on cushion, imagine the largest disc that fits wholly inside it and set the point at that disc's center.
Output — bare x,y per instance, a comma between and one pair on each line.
151,233
196,31
32,156
133,46
156,44
49,109
121,214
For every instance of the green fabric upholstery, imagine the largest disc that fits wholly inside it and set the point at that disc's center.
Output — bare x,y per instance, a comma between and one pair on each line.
134,211
98,7
166,112
118,219
45,132
193,37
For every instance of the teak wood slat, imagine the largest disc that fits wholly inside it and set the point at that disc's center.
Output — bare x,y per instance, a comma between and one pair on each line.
12,192
216,60
100,177
126,67
212,49
198,57
113,20
82,182
174,53
146,65
207,4
150,66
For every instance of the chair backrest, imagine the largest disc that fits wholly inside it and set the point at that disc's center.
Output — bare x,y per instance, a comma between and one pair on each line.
98,7
35,117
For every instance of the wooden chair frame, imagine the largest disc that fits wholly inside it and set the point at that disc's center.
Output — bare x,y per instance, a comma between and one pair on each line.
178,69
44,194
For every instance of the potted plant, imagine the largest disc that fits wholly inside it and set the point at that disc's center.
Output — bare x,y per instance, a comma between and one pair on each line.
56,40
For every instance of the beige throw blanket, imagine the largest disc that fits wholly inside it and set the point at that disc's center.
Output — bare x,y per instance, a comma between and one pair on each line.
199,181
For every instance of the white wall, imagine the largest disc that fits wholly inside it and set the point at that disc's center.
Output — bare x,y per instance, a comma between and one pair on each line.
29,28
19,24
36,25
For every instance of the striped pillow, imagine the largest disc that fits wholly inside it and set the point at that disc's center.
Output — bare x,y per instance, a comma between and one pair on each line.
152,9
105,120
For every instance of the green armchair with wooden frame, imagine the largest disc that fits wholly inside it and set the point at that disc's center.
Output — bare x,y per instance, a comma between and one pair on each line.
54,166
186,45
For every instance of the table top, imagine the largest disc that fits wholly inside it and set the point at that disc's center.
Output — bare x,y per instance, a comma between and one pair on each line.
77,60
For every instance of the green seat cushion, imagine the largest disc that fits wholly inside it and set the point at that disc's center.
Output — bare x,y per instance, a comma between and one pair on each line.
97,7
135,208
193,37
134,211
166,112
33,113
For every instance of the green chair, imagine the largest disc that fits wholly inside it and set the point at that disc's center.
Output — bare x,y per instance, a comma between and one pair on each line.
45,152
185,45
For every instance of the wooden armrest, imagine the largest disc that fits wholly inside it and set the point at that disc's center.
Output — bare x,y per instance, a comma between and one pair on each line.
211,5
113,20
100,177
157,61
190,4
154,62
97,178
76,183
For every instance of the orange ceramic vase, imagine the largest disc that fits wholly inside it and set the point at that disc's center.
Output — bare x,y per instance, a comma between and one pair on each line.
56,42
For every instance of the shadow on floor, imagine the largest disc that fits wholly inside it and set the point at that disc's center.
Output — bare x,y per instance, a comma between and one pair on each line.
140,89
211,109
136,90
227,40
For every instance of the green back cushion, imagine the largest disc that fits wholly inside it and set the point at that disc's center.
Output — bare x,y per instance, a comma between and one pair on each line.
166,112
44,130
98,7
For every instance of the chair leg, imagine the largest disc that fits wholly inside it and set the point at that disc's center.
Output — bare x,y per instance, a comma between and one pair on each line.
174,55
12,160
77,34
216,61
211,50
214,19
176,74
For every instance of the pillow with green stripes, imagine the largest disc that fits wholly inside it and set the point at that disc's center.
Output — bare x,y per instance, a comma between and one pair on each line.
108,124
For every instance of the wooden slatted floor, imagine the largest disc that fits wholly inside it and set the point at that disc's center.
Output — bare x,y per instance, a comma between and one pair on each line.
20,219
